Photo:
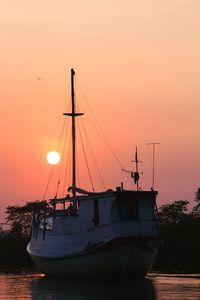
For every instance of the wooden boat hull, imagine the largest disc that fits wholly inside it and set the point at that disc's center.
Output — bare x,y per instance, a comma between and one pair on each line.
111,260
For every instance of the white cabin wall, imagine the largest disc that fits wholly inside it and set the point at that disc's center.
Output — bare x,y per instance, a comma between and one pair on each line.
86,213
105,205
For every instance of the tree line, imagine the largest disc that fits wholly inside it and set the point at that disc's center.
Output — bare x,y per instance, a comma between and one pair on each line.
179,236
14,241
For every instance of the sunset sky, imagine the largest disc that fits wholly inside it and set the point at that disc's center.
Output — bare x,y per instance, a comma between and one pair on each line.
138,65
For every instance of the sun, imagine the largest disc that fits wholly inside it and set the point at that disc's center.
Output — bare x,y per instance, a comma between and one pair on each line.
53,157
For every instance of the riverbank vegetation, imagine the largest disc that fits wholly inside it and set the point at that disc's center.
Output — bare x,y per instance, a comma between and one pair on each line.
13,242
179,246
179,238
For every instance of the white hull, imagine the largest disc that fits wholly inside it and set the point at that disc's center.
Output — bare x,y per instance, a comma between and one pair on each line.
74,246
119,261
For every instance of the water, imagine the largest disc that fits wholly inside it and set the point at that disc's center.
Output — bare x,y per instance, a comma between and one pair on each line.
24,284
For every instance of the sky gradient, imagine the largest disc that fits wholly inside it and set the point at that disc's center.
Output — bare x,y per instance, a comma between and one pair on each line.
138,64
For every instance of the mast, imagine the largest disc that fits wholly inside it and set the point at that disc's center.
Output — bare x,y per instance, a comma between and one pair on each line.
73,136
73,114
135,175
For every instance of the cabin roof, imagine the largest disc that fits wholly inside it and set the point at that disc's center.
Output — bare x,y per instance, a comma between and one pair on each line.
99,195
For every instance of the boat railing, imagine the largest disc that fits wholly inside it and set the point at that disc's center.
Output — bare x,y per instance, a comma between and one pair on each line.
64,213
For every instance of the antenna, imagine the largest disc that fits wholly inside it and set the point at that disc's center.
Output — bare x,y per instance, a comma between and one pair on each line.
153,154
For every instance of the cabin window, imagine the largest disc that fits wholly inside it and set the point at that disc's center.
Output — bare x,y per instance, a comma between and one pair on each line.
46,223
96,212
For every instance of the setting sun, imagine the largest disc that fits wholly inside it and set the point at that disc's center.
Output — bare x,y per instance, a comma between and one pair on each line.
53,158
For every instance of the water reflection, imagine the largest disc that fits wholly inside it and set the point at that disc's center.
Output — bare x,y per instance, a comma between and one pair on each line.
177,286
27,284
16,286
52,288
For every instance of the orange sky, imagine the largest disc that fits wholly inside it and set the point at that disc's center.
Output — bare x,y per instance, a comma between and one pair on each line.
138,64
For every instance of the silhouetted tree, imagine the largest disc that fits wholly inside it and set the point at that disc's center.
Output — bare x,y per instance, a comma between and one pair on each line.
196,208
174,212
20,217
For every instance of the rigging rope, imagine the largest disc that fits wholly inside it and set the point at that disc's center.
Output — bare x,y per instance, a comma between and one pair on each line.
86,161
99,128
77,169
53,167
67,177
48,182
63,133
100,178
100,132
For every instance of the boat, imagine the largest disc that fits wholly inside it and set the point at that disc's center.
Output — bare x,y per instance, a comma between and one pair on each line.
113,233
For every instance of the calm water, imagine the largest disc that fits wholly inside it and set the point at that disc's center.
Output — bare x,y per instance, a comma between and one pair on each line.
23,284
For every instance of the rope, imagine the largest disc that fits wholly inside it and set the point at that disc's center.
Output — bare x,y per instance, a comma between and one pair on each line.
88,169
100,178
77,168
48,182
52,167
100,132
63,133
68,168
99,129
